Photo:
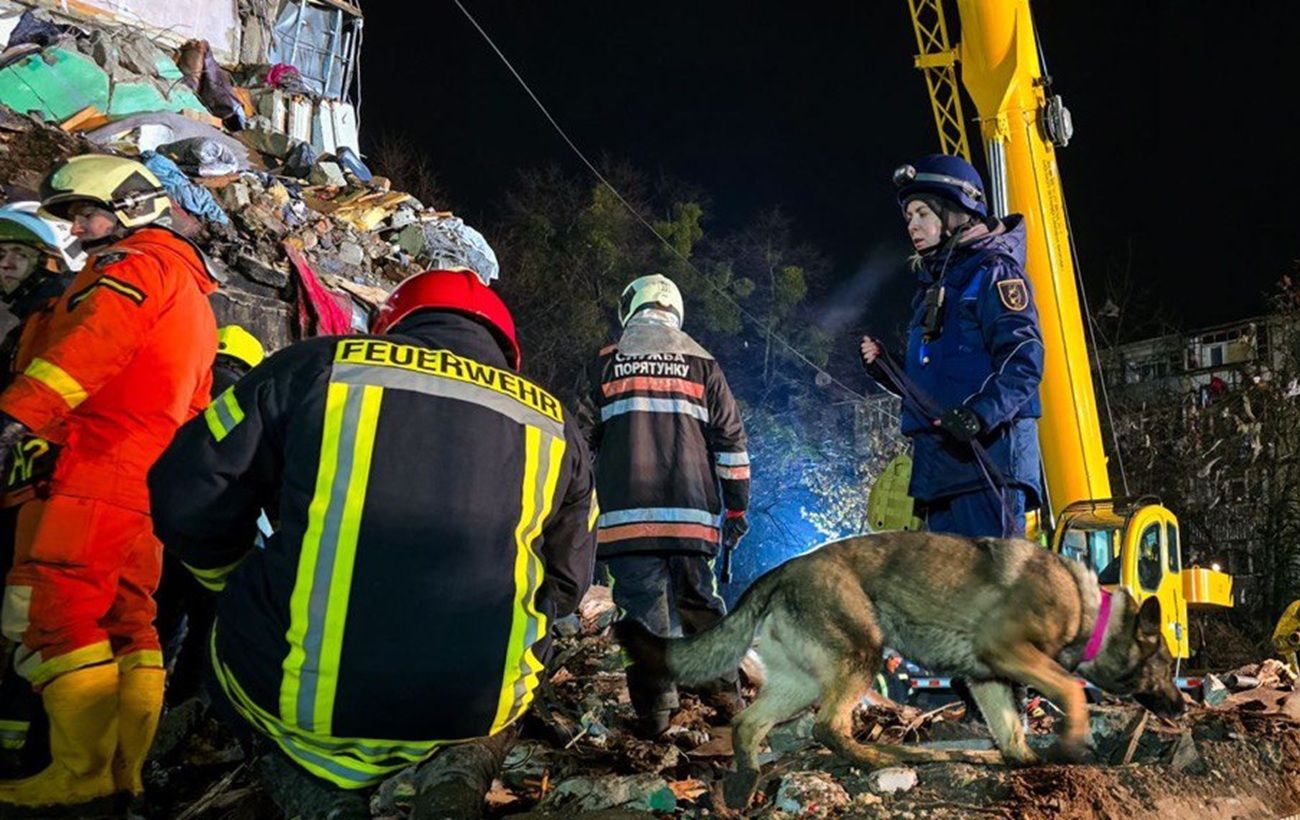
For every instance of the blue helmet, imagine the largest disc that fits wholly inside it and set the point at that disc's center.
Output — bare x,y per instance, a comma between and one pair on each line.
28,229
952,178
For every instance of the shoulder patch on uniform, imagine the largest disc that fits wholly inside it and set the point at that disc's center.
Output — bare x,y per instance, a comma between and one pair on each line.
109,258
1014,294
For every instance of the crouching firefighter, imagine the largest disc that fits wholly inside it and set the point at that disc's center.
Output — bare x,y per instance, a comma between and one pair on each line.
672,474
436,515
124,360
185,608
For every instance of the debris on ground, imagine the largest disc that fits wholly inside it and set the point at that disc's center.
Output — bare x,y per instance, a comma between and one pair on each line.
810,794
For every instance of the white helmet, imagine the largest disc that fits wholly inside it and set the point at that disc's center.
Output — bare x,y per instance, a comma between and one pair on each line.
69,247
654,289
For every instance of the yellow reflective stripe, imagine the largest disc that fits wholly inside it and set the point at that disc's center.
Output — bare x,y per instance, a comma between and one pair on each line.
542,464
13,733
57,379
595,512
148,658
340,585
291,680
38,671
213,579
117,285
349,763
223,414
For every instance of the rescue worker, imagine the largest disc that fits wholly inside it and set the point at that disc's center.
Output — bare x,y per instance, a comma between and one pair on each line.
124,361
672,475
436,515
35,269
185,608
974,350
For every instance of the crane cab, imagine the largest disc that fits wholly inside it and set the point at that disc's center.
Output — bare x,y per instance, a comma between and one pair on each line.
1134,544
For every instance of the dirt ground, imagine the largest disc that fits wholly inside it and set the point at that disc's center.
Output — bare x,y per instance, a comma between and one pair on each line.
576,759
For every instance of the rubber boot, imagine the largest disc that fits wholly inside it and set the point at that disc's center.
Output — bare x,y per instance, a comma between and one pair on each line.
306,797
82,707
654,702
139,705
454,783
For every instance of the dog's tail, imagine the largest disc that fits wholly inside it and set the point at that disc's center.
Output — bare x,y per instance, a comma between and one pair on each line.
707,655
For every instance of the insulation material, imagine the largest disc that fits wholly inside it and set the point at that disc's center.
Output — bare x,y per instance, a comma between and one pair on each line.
334,127
271,105
298,119
55,84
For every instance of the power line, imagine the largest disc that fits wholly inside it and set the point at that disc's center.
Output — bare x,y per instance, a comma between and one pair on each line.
645,222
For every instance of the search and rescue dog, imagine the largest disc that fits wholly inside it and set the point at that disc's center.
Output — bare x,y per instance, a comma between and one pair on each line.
992,611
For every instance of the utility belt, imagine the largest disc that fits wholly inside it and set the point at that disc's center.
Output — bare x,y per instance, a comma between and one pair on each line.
30,471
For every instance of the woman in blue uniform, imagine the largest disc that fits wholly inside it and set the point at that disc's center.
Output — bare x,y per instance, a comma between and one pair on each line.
974,355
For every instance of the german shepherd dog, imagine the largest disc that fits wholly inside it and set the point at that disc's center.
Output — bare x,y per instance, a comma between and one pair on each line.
992,611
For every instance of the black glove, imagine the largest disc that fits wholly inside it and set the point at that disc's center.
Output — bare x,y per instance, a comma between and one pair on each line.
11,432
733,529
961,423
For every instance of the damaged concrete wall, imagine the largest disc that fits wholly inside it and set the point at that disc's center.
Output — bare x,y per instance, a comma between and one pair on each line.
216,21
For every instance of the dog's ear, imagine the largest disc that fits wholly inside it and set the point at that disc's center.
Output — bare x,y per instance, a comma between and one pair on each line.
1148,618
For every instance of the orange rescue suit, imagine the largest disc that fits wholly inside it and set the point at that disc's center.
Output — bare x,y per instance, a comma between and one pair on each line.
124,360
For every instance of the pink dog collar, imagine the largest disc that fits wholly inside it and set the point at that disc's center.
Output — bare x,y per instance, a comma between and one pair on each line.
1098,629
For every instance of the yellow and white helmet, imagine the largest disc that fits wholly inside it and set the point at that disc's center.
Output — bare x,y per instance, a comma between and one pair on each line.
654,289
123,186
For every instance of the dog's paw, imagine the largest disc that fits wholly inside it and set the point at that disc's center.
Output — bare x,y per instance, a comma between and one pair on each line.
1020,756
1070,751
738,788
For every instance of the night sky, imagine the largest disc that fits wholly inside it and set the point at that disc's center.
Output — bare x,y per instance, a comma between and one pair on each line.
1184,159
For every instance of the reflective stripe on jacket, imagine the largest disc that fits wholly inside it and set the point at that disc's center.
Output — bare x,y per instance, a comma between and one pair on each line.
669,444
435,519
125,359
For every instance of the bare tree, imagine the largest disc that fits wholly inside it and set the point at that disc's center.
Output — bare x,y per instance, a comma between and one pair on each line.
398,157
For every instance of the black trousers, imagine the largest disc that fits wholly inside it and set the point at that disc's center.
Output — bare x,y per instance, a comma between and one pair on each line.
24,729
670,594
186,611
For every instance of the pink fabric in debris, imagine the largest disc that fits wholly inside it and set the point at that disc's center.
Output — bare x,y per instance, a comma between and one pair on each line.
319,312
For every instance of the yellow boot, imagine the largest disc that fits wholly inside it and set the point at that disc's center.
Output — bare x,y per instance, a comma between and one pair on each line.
140,702
82,707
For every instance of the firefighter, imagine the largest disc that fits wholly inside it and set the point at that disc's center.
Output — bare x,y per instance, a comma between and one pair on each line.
974,351
123,362
436,515
672,475
35,269
185,608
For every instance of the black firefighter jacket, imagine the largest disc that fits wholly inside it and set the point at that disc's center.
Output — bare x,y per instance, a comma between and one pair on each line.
669,443
435,516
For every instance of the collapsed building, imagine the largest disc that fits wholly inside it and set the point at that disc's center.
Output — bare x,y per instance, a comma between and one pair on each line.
245,111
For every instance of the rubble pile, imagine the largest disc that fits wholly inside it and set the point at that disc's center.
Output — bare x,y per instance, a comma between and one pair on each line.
577,757
305,237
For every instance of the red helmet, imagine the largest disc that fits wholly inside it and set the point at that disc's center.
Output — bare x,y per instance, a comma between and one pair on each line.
455,291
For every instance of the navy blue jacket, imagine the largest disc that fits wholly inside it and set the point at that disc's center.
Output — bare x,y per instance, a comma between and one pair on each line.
987,356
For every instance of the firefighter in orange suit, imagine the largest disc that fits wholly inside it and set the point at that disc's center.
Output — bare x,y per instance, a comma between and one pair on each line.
126,359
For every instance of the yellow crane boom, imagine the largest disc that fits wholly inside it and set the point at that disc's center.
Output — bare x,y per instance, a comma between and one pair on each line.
1131,543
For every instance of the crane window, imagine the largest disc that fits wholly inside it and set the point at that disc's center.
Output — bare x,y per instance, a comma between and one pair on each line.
1149,565
1171,543
1096,549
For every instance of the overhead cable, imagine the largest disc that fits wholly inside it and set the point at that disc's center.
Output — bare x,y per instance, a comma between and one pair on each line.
645,222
